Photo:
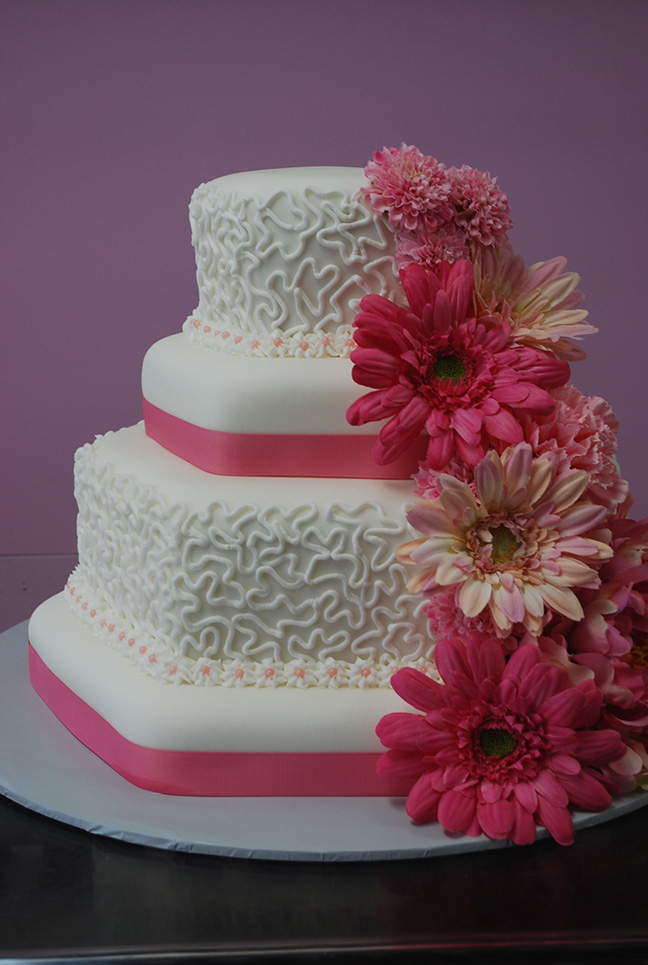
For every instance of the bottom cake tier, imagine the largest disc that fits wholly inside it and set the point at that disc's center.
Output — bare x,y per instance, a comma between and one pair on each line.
207,741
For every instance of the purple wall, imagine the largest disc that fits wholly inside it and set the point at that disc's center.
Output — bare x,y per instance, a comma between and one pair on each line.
114,110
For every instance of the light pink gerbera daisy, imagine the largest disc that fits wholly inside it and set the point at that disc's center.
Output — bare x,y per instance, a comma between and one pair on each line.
481,208
435,367
411,188
518,545
540,303
501,747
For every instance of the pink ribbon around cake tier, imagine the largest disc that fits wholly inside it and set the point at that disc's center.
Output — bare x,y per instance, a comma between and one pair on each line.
207,773
269,454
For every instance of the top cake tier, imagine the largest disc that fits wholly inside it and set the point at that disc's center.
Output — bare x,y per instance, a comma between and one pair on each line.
283,258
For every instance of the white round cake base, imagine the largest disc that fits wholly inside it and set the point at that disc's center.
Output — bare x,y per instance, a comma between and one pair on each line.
44,768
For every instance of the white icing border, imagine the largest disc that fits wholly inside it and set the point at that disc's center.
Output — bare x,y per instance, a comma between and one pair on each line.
155,661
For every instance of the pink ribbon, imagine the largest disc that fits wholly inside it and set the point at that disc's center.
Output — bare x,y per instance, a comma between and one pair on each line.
259,454
207,773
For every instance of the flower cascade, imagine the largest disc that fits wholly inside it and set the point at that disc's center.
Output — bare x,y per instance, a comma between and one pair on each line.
534,575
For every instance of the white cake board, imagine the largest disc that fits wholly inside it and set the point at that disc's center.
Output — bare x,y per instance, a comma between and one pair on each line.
44,768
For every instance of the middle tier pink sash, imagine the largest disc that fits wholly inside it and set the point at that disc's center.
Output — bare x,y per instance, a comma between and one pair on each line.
261,454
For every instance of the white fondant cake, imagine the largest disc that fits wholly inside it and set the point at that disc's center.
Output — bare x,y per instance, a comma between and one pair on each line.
202,581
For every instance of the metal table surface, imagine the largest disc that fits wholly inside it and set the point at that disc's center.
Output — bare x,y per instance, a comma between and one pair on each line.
70,896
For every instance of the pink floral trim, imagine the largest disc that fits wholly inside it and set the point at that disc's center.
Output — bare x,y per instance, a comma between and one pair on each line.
269,346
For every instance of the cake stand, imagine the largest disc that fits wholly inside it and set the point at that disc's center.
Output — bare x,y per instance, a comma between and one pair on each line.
44,768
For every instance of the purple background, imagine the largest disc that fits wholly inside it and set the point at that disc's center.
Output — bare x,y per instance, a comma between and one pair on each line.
114,110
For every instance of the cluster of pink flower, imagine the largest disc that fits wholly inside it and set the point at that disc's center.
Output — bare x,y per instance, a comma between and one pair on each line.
438,213
536,577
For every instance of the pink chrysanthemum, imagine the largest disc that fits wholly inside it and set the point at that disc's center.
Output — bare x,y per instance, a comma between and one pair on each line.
411,188
447,621
427,480
481,208
501,747
448,243
581,434
435,367
540,303
519,545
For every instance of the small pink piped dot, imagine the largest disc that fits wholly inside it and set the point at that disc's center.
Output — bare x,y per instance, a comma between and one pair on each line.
269,672
103,624
93,613
152,658
278,342
204,670
207,329
111,628
239,673
254,344
142,650
332,671
131,642
326,342
84,606
238,339
304,346
78,599
122,636
172,670
365,672
226,334
299,672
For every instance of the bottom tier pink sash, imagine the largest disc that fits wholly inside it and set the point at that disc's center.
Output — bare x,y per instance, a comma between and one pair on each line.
212,774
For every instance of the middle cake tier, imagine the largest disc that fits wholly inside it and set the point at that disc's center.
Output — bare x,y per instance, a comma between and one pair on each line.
235,581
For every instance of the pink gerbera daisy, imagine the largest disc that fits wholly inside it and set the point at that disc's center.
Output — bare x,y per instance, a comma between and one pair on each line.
411,188
501,747
519,544
436,367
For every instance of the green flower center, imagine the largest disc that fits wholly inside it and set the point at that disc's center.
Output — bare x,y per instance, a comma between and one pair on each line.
496,741
504,544
449,367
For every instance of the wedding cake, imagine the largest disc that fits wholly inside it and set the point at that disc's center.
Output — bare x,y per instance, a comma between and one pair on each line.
275,559
237,591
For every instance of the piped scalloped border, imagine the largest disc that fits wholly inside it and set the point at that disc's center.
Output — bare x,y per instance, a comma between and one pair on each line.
233,342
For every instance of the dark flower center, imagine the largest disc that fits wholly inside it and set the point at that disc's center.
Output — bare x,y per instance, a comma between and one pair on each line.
449,367
504,544
496,741
639,652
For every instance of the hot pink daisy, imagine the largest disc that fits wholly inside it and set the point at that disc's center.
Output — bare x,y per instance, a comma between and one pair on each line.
481,208
540,303
518,545
436,367
501,747
411,188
